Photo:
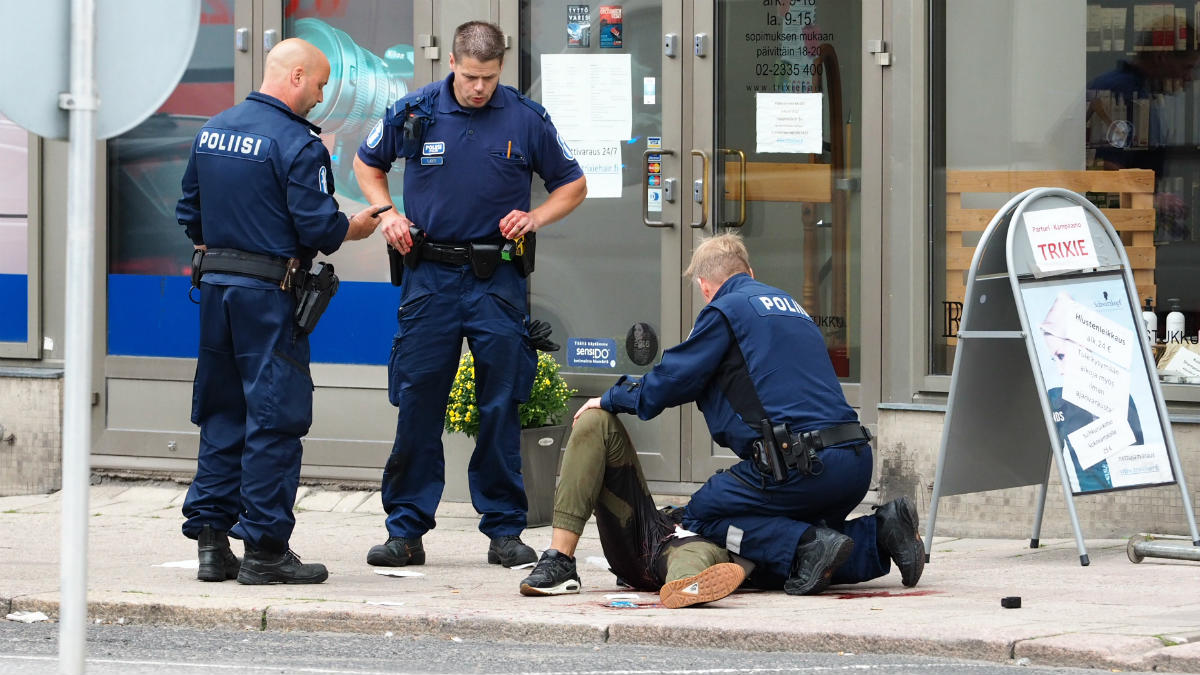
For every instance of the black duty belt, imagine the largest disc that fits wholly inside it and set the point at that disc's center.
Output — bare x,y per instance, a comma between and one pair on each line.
449,254
270,268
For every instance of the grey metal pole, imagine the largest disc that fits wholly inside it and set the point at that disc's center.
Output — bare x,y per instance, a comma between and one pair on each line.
81,102
1143,546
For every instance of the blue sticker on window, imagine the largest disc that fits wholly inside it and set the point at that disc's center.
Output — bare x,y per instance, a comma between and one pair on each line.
591,353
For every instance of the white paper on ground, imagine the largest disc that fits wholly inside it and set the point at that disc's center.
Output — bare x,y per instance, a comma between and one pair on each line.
27,617
385,603
185,564
399,573
598,561
621,596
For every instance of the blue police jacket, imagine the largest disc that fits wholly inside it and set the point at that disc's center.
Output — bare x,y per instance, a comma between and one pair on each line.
259,180
783,351
473,166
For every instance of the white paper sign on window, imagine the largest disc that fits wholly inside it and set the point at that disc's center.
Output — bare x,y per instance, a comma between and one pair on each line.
601,163
788,122
589,96
1061,239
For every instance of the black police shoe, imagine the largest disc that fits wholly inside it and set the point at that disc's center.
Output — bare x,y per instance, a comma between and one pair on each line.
553,575
896,534
815,561
217,561
510,551
713,583
397,552
263,567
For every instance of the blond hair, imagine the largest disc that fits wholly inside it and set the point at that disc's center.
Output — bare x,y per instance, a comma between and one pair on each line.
719,257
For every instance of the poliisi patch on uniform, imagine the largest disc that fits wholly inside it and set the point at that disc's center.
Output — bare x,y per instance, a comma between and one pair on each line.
431,161
565,148
238,144
376,134
434,148
323,180
777,305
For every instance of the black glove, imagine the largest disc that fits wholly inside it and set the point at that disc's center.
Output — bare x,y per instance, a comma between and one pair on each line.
538,336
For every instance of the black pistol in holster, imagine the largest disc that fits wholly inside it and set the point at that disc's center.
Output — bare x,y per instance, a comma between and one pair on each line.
197,259
313,296
768,455
397,261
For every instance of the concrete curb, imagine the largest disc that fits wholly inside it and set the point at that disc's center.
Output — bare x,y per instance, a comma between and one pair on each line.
1069,650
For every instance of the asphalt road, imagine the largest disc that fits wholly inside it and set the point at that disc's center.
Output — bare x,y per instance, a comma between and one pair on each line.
31,649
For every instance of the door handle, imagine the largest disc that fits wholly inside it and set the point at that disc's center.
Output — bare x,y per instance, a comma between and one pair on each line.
646,188
700,190
741,187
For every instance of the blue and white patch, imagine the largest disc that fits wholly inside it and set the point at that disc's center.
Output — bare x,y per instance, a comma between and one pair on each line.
431,161
323,180
434,148
777,305
376,134
565,148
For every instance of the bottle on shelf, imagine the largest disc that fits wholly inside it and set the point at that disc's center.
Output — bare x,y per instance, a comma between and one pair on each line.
1150,320
1174,322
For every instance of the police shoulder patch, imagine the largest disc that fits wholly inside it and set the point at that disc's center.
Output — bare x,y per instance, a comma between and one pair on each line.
562,143
376,134
323,180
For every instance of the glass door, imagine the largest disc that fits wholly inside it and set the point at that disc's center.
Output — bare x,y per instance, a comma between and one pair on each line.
607,276
791,88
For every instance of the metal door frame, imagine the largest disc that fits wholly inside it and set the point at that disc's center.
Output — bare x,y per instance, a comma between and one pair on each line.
864,396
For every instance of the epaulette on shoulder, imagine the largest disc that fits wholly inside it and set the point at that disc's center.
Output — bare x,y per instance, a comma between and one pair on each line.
421,99
530,103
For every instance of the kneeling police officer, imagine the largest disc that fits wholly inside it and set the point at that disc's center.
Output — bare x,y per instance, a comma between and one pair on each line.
757,367
258,205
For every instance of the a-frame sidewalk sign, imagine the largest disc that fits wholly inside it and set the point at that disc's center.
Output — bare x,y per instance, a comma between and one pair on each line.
1053,364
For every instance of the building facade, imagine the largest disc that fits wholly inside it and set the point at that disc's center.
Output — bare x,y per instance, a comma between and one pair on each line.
863,198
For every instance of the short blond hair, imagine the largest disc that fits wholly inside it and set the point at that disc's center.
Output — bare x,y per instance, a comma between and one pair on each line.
719,257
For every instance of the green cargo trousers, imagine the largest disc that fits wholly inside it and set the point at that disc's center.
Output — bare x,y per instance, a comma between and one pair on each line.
601,474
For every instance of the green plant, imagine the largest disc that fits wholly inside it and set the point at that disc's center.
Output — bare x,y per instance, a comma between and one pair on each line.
546,405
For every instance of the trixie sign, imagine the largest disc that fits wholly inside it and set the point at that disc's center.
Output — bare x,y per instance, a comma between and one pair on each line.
1061,239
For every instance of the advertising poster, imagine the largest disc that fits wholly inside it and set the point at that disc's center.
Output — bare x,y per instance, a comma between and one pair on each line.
579,25
1099,391
611,28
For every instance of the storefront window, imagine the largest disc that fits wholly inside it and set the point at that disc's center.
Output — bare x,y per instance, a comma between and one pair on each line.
149,258
1073,90
14,232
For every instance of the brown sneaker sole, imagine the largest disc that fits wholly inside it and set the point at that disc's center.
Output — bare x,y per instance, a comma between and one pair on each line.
712,584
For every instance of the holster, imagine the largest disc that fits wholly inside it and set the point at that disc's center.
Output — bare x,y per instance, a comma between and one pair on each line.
521,251
485,258
768,456
413,257
313,296
197,259
395,265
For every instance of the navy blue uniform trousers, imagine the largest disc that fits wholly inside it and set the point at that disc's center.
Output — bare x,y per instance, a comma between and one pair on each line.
441,305
253,401
763,520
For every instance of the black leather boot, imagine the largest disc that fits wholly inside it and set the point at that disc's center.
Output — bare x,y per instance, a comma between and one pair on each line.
896,534
264,567
816,560
217,561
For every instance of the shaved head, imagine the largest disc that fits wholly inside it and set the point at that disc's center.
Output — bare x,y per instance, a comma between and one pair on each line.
295,73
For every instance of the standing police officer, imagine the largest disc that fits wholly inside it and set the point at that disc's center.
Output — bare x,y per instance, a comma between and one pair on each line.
258,200
757,367
470,149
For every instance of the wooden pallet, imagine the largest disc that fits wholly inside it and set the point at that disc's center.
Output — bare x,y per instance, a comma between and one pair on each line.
1133,221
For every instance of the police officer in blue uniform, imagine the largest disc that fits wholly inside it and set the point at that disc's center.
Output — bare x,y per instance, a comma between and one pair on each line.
757,367
470,149
258,201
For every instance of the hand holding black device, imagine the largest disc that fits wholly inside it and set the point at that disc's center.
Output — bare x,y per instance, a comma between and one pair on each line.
381,210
